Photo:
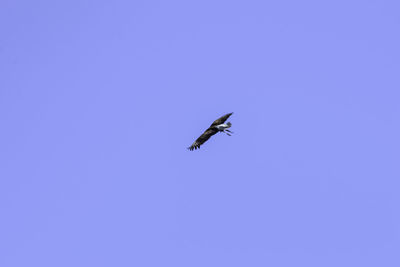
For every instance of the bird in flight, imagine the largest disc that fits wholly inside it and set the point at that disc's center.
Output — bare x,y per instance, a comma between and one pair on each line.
217,126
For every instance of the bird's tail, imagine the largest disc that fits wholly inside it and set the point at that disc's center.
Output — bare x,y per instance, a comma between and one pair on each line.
229,124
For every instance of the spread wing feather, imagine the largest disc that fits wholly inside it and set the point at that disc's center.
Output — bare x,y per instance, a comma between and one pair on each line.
203,138
221,120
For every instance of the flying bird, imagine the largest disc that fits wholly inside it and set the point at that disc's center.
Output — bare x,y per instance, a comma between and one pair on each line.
217,126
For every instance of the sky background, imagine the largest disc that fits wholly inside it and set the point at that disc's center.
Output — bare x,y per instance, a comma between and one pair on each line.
100,99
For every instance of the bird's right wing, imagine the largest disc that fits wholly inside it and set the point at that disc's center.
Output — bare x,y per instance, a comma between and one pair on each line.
221,120
203,138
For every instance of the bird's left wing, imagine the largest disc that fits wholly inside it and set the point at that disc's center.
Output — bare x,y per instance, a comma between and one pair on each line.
221,120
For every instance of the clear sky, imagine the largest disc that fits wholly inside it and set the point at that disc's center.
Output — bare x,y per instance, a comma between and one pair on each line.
100,99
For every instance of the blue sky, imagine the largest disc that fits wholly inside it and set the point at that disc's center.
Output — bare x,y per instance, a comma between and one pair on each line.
99,100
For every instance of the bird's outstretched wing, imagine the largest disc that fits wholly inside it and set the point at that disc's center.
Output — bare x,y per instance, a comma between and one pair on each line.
203,138
221,120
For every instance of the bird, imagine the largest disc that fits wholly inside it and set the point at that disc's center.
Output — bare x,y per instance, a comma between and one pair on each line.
217,126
